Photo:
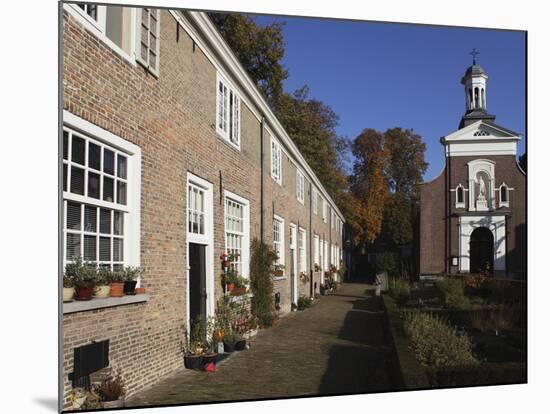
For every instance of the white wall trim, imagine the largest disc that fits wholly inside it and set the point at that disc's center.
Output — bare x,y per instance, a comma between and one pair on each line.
207,239
245,248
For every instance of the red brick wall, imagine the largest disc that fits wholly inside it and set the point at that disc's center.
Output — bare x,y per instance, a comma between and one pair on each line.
172,119
432,215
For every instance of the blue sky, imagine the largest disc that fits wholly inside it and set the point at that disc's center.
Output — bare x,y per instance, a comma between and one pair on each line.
384,75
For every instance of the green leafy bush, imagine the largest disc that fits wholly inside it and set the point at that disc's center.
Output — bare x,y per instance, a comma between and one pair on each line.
435,343
386,262
400,291
304,302
451,292
261,282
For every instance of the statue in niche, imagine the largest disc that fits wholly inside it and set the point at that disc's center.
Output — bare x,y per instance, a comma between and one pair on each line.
482,189
481,201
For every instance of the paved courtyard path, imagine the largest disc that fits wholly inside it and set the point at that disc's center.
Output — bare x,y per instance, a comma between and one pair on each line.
337,346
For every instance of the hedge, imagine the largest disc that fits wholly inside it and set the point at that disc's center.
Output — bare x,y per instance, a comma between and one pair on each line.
482,374
408,373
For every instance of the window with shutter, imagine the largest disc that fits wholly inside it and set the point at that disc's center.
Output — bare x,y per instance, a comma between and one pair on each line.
148,38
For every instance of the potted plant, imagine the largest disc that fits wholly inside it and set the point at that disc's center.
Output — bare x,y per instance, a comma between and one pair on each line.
68,289
117,284
240,285
230,279
103,288
278,270
84,277
304,277
112,392
229,341
225,260
240,342
131,274
317,267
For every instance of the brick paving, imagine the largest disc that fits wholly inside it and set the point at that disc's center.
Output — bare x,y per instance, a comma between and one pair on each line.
336,346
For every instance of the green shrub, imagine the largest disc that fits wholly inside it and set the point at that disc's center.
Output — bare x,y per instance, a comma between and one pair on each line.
400,291
451,292
386,262
261,282
481,374
435,343
304,302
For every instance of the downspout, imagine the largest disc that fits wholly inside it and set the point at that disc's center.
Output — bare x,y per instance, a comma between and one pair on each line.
262,179
310,240
447,216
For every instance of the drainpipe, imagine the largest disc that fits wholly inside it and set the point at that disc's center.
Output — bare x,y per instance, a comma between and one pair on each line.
262,179
310,240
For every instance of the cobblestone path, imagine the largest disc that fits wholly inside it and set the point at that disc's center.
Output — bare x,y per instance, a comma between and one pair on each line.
337,346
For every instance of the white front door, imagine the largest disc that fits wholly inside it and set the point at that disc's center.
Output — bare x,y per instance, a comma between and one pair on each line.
293,265
200,235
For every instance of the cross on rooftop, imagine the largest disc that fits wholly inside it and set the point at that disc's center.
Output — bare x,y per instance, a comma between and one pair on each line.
474,53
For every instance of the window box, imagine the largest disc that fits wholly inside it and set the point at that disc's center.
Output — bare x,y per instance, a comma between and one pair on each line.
100,303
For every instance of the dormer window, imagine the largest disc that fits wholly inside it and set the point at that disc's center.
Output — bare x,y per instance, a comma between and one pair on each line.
459,202
503,196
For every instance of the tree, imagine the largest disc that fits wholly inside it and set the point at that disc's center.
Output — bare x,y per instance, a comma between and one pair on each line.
312,126
369,183
523,162
260,49
407,164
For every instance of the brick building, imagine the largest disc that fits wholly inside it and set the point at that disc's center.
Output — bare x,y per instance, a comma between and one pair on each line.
172,156
473,214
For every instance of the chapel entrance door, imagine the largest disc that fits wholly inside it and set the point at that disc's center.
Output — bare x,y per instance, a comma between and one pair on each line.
481,250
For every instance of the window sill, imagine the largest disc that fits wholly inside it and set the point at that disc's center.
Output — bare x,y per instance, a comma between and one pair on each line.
279,277
86,305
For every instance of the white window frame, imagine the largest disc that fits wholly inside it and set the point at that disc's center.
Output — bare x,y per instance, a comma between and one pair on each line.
463,203
507,202
132,209
281,242
331,218
245,246
97,28
230,101
315,200
302,248
324,208
276,161
137,51
206,239
316,249
300,186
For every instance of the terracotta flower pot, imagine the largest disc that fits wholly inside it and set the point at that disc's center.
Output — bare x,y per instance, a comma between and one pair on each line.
140,290
278,273
68,294
102,291
117,289
84,292
230,286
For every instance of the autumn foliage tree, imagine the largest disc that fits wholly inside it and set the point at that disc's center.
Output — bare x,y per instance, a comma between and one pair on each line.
369,183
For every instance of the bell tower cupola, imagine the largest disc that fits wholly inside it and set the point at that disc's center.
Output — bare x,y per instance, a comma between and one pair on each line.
475,89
